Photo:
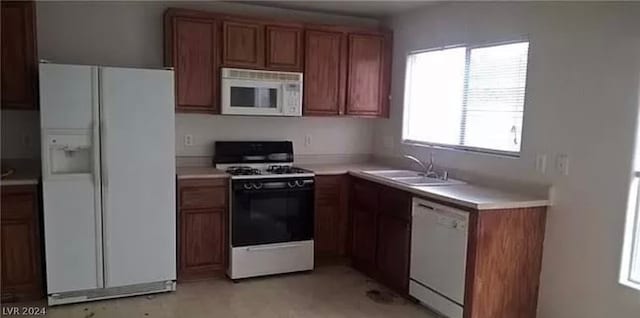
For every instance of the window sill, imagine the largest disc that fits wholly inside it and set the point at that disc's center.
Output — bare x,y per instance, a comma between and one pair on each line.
630,284
472,150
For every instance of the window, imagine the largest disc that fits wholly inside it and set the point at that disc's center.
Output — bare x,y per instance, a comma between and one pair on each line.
467,97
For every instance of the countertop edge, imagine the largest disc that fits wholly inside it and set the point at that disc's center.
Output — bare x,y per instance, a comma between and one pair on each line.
18,182
480,207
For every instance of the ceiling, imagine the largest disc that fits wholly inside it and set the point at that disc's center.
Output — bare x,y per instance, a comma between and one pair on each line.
370,9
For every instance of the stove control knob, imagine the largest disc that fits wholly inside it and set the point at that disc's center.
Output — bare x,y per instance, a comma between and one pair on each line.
247,186
300,183
257,186
291,184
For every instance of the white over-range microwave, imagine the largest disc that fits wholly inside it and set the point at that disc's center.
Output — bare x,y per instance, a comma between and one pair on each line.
261,93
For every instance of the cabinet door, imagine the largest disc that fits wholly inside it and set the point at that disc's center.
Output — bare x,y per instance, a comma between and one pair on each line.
19,62
364,240
195,58
331,216
20,251
202,242
243,44
325,72
367,86
394,242
284,48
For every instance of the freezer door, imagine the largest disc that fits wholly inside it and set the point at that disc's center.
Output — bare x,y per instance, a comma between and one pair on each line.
71,177
138,168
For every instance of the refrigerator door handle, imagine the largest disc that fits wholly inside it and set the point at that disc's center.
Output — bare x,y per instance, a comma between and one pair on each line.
97,175
104,172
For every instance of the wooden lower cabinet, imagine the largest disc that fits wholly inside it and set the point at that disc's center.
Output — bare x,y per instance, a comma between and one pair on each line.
331,221
21,246
504,249
381,233
202,228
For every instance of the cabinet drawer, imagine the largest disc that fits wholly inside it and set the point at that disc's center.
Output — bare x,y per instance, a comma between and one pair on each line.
18,201
203,193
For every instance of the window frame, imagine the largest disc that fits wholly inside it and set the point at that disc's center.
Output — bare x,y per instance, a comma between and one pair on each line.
463,148
631,234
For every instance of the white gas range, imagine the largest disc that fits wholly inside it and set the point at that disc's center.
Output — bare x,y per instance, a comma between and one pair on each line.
271,219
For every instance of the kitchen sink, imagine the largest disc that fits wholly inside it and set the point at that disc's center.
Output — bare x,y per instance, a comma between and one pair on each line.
411,178
394,173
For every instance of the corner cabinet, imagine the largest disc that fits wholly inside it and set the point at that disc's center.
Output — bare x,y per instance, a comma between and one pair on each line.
347,72
192,49
381,233
202,228
22,268
19,58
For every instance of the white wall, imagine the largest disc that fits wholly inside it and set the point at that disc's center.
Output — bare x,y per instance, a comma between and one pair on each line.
582,100
130,34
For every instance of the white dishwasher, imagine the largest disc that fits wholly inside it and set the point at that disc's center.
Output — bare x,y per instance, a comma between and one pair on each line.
438,256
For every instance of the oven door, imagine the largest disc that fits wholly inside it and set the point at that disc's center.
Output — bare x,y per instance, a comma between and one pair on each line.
245,97
271,211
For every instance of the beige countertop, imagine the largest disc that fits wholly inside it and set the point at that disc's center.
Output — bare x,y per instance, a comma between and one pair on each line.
26,172
467,195
200,172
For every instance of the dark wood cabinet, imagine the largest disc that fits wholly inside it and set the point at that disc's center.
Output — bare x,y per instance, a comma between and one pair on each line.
21,245
368,82
284,48
363,204
192,48
325,72
394,239
381,233
331,220
202,229
243,44
19,56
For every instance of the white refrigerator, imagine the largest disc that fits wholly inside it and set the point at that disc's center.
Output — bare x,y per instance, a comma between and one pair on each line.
108,163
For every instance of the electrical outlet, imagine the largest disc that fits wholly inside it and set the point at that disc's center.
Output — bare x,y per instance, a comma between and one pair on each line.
188,140
307,140
562,164
541,163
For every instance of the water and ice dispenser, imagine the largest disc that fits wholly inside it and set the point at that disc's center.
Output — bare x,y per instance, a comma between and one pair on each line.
69,153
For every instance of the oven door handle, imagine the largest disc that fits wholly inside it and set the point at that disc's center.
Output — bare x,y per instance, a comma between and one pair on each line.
265,248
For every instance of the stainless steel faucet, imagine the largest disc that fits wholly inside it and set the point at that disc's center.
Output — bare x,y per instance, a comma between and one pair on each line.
428,169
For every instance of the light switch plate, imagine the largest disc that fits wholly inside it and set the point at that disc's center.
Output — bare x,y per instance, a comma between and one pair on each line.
541,163
307,140
562,164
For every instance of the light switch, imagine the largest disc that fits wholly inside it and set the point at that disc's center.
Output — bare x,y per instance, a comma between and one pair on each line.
541,163
307,140
562,164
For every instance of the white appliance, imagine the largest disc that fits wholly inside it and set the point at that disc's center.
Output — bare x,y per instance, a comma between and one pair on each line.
272,208
108,163
438,256
262,93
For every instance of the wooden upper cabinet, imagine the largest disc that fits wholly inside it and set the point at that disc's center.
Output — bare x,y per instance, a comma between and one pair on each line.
19,58
324,82
243,44
284,48
367,87
192,49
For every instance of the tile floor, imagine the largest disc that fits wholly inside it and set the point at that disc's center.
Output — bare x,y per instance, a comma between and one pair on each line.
330,291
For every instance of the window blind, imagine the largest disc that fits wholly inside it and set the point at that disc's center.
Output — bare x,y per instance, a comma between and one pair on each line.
469,98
